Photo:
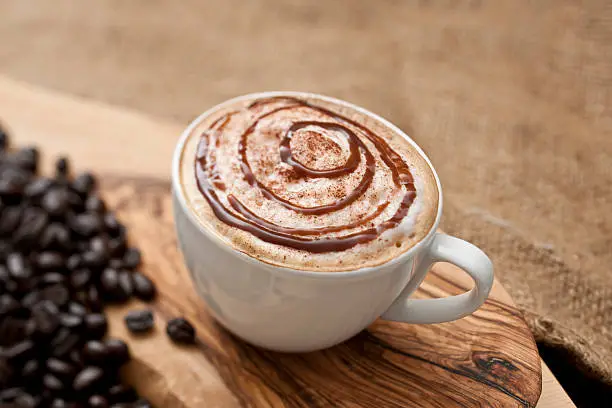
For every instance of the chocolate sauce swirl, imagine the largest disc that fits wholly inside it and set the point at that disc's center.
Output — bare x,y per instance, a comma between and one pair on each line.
238,215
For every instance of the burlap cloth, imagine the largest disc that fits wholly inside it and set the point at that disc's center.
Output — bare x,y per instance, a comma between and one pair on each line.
512,100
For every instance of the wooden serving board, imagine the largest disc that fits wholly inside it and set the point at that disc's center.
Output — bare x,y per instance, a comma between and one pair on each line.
487,359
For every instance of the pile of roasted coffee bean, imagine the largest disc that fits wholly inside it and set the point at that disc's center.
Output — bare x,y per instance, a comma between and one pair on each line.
63,256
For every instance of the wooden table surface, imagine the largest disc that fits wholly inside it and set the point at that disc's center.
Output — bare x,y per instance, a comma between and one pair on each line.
23,105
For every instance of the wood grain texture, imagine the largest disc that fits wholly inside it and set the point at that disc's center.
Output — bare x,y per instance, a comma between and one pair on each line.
383,364
487,359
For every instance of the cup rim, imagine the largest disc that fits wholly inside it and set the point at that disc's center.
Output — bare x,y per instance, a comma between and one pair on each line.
177,191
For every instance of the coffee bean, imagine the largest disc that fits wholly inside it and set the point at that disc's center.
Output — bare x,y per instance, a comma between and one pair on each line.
18,351
95,325
84,183
131,258
60,403
57,294
77,309
55,202
95,204
111,223
18,267
29,300
117,246
33,222
52,383
125,284
80,278
7,305
142,403
62,167
86,224
27,401
139,321
55,236
10,394
115,263
109,281
87,378
73,262
60,368
26,158
144,288
51,278
36,188
118,351
97,401
6,372
95,352
122,393
30,369
93,299
94,260
71,321
10,218
63,342
50,261
46,316
180,331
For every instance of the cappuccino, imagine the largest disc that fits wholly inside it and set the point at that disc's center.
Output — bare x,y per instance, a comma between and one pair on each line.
307,182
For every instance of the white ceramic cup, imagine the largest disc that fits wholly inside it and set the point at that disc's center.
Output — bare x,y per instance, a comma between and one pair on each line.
296,311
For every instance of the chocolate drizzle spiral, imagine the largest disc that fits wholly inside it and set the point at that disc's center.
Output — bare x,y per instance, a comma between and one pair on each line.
236,214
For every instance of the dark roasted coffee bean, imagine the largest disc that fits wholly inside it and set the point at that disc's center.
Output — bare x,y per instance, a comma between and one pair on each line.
71,321
139,321
115,263
180,331
10,394
18,267
4,275
93,299
19,351
142,403
97,401
99,244
4,140
29,300
30,369
50,261
55,236
10,217
110,222
51,278
109,281
62,167
27,401
86,224
63,342
60,403
144,288
37,188
95,352
73,262
6,373
131,258
55,202
13,330
122,393
94,204
126,285
116,247
60,368
118,351
77,309
80,278
84,183
52,383
46,316
33,223
95,325
94,260
87,378
76,358
26,158
7,305
12,182
57,294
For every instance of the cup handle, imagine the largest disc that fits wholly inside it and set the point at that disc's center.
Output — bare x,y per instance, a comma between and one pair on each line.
466,256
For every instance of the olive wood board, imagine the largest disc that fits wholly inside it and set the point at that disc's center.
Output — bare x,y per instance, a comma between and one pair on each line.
487,359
